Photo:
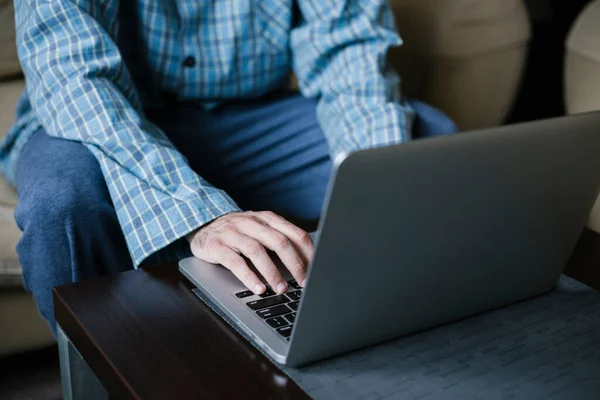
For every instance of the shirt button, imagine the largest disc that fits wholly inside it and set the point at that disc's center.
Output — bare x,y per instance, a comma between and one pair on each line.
189,62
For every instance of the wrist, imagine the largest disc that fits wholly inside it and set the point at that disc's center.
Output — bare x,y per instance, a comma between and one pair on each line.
191,235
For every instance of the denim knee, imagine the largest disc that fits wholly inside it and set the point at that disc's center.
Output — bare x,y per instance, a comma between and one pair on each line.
67,226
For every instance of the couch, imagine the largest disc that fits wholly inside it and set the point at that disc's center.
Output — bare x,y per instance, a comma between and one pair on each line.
582,73
465,57
21,328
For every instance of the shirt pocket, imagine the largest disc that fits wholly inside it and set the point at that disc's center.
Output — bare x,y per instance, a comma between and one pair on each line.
273,24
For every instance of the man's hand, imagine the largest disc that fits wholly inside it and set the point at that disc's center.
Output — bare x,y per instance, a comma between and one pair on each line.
227,238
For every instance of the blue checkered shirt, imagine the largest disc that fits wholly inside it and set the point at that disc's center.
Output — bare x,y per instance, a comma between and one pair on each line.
94,67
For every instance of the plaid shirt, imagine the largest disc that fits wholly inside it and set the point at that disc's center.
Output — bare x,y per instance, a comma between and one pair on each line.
94,68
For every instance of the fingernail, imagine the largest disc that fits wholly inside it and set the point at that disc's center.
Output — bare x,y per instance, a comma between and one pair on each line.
303,282
281,287
259,289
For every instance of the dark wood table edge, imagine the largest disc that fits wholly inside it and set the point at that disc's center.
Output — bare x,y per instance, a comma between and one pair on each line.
104,370
106,373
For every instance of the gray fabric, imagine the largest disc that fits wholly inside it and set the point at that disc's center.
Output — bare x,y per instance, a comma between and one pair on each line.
546,348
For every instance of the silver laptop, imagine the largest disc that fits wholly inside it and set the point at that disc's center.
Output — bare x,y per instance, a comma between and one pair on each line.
419,234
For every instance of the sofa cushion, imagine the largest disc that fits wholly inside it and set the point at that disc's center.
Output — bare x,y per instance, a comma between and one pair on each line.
11,275
10,270
9,93
582,74
9,63
465,57
465,27
585,34
21,326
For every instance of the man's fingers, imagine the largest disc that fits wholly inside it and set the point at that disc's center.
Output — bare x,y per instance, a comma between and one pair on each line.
256,252
298,236
250,234
279,243
236,264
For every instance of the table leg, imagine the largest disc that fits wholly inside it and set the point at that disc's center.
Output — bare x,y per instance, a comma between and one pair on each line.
78,380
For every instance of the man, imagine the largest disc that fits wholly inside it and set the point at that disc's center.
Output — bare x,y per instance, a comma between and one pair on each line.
147,127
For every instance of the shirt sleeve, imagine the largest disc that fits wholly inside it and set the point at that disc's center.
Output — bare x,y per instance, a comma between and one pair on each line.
339,53
81,90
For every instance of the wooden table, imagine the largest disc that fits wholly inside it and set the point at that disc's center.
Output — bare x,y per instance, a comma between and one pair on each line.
144,335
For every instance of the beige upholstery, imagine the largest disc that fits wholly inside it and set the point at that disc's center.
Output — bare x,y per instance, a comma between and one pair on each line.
9,233
464,56
582,73
582,76
21,327
10,271
9,93
9,65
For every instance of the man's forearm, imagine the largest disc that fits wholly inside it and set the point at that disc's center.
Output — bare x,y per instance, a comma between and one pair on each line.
339,53
80,90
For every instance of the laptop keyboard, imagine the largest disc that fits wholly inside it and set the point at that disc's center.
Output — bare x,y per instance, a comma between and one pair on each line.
277,310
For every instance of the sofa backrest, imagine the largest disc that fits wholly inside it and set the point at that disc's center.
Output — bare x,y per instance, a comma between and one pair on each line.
9,64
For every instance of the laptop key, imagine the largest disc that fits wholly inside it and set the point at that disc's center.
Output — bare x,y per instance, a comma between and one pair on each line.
291,317
268,302
293,305
268,293
245,293
273,311
277,322
294,284
286,331
295,295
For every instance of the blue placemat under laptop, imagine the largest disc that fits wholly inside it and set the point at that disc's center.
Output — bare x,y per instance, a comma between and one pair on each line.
544,348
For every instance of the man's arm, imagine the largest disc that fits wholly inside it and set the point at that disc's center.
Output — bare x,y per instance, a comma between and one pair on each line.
339,52
80,90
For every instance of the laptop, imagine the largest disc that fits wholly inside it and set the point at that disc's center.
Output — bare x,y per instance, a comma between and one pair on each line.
423,233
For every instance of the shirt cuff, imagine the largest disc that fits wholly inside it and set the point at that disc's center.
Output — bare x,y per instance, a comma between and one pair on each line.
169,220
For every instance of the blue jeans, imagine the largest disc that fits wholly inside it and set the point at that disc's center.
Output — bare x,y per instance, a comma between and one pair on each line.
268,154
